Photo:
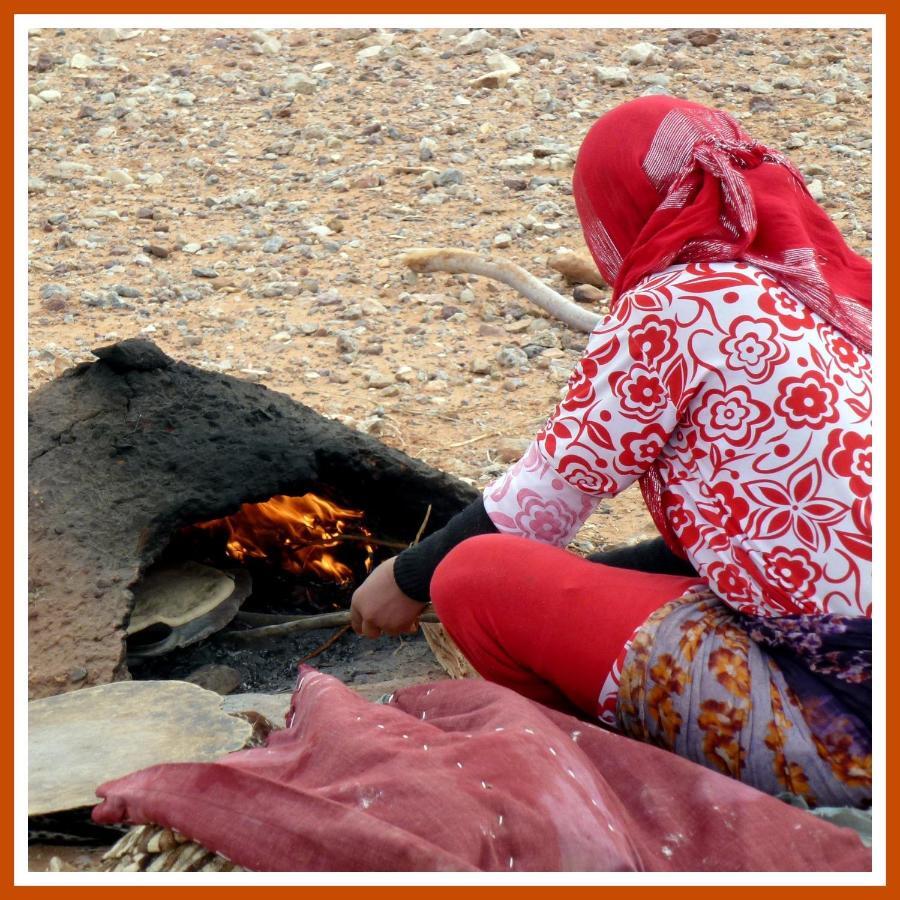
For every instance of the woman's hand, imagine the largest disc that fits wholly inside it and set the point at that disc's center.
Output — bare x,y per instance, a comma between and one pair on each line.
379,607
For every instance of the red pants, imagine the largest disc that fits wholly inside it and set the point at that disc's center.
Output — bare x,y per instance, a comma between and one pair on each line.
541,620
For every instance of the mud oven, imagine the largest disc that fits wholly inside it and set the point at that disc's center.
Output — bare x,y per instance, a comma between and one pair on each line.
150,478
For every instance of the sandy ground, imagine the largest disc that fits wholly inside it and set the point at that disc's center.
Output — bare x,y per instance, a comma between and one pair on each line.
242,198
295,166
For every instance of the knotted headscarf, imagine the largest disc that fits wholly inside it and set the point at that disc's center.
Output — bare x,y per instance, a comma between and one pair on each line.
660,181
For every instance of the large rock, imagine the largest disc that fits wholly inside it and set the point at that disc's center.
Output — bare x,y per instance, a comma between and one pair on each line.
78,741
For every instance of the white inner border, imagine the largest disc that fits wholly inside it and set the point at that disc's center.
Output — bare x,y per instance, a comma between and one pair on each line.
600,22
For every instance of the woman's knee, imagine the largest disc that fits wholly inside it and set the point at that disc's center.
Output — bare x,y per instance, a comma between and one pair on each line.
469,572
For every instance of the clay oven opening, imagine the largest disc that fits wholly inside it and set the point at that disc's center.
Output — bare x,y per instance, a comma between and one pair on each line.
284,557
152,481
268,563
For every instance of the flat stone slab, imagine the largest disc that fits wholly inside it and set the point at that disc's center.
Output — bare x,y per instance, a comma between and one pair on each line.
78,741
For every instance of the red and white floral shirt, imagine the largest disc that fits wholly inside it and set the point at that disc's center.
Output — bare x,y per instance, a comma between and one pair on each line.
757,415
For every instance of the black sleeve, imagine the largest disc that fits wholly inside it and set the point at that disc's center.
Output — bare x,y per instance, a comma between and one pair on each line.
414,566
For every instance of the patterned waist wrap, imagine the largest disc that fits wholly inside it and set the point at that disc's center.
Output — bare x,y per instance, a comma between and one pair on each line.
781,704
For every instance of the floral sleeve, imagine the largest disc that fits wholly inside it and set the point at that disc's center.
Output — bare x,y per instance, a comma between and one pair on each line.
617,415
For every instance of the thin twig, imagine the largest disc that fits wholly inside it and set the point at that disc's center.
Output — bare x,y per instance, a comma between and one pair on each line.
479,437
258,619
303,623
422,527
359,539
326,645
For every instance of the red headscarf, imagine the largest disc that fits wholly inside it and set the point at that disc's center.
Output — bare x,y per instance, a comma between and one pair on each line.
661,181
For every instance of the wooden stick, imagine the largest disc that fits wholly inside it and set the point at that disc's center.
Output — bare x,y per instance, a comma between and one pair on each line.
422,527
359,539
273,625
302,623
460,262
478,437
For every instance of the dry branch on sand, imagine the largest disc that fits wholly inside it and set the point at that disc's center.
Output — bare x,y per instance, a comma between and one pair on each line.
457,262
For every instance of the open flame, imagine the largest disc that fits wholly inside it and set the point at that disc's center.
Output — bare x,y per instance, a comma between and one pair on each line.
297,534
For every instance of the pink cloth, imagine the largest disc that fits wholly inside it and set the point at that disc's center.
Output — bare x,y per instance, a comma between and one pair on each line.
468,776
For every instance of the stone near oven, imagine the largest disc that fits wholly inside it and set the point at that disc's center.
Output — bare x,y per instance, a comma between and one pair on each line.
273,706
78,741
125,451
577,268
221,679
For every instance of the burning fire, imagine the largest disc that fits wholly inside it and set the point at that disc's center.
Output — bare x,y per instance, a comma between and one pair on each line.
296,534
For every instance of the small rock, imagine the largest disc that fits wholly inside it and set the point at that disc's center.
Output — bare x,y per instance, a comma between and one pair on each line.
49,291
273,244
346,343
119,176
577,268
512,357
761,87
427,146
475,41
369,52
702,37
379,380
44,62
124,290
203,272
184,98
298,83
81,61
502,240
157,250
641,54
511,449
448,177
587,293
761,104
492,80
480,365
816,191
614,76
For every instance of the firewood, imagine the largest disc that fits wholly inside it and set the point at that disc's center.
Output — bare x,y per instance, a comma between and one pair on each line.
458,262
